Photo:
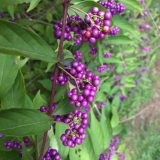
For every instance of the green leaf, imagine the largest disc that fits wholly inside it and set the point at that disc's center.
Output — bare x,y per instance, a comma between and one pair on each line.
123,24
16,40
9,155
33,4
63,107
8,73
16,96
61,93
39,100
23,122
96,133
106,129
84,6
87,143
115,117
79,153
8,3
60,129
46,83
118,40
132,5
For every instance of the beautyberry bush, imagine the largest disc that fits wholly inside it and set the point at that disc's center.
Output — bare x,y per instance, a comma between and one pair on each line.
67,71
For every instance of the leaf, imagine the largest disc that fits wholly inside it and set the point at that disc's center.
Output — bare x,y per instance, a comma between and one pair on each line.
61,93
33,4
8,3
132,4
63,107
23,122
123,24
52,139
8,73
96,134
84,6
46,83
12,155
59,130
87,143
39,101
16,40
115,117
16,96
79,153
106,129
118,40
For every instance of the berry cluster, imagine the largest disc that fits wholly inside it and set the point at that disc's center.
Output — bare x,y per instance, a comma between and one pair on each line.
111,151
46,109
17,145
96,25
10,145
114,31
107,55
99,23
114,7
74,25
52,154
77,122
85,84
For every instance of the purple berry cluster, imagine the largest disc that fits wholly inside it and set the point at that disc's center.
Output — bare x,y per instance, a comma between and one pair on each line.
74,25
78,55
107,55
114,31
96,25
10,145
52,154
101,69
77,122
99,23
46,109
17,145
85,84
114,7
111,151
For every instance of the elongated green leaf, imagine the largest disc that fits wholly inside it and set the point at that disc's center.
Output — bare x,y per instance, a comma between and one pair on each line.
12,155
84,6
96,133
63,107
115,117
123,24
39,101
16,40
33,4
23,122
89,146
60,129
9,3
87,5
132,5
106,129
8,73
118,40
15,98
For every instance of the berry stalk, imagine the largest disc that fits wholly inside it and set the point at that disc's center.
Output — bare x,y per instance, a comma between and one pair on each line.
55,73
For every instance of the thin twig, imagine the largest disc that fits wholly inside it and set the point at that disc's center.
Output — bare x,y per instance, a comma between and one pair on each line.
75,79
134,116
55,73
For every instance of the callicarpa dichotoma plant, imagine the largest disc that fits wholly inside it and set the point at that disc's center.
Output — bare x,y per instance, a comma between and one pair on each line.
66,69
